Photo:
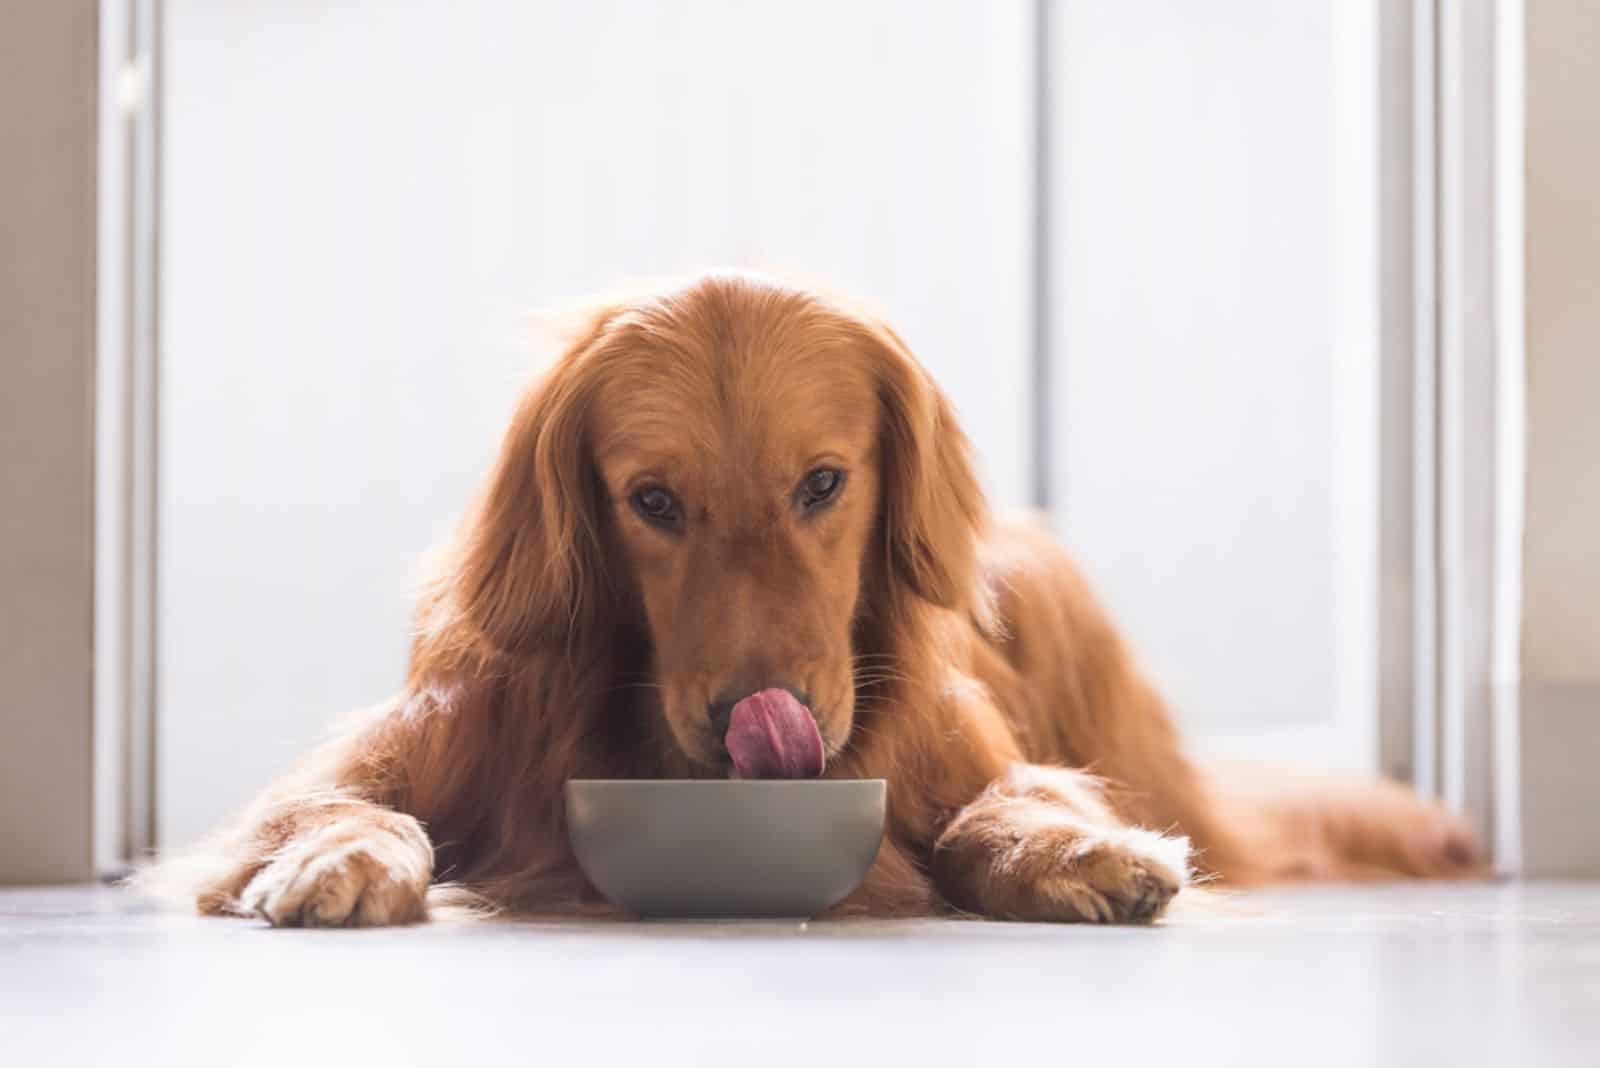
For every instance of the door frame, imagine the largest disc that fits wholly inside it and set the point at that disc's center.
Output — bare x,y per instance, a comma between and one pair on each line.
127,416
1451,406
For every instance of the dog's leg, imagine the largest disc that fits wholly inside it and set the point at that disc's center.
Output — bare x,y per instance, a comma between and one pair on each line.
1307,825
1081,699
1042,844
893,887
325,862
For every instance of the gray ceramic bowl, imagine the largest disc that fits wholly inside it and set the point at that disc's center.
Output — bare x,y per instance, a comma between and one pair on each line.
725,848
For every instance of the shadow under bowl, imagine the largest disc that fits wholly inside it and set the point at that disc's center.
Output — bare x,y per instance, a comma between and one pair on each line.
725,848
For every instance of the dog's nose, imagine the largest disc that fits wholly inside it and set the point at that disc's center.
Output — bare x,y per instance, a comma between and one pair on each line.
720,710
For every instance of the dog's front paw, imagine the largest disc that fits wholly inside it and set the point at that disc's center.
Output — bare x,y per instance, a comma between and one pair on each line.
355,872
1072,875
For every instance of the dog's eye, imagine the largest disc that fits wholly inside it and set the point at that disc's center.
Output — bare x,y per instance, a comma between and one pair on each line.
656,504
818,488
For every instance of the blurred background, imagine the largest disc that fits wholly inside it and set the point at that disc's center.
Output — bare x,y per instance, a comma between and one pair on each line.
1235,292
361,203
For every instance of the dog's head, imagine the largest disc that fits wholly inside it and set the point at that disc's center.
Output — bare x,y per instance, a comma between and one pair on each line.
746,472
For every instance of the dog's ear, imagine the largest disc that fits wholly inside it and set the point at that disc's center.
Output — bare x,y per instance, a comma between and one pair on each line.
526,570
933,509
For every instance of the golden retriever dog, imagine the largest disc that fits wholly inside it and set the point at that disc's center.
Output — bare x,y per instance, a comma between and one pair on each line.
735,530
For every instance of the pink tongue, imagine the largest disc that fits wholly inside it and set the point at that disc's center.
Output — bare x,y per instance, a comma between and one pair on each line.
772,736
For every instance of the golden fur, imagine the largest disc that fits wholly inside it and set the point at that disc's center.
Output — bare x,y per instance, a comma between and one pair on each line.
565,635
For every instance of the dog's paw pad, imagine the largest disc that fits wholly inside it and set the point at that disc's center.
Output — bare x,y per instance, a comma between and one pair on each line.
1123,876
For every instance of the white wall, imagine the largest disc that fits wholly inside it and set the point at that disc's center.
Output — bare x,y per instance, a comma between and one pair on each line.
48,259
362,200
1214,459
1560,699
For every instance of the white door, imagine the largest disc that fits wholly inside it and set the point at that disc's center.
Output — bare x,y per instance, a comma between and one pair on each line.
361,201
1213,446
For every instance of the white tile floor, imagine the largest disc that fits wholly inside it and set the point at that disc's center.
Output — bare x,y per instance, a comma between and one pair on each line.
1404,975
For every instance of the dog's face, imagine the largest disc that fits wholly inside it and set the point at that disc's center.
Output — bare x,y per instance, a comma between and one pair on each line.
739,458
745,466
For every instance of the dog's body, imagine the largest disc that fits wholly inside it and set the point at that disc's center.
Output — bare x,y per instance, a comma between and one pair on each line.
732,488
